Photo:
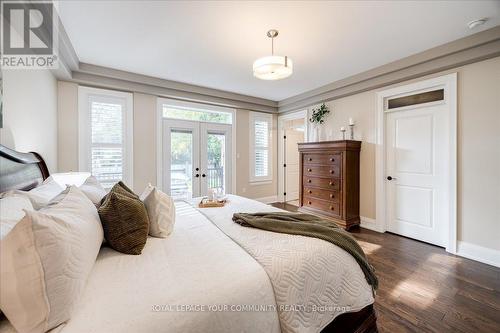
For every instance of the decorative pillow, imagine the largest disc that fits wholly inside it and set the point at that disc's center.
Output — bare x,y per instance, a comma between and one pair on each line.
12,211
124,220
93,190
46,260
161,211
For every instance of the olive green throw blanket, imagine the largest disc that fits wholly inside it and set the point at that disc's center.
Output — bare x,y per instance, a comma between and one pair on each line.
310,226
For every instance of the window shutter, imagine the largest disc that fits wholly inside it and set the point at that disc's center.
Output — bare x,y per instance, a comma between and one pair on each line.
261,147
107,129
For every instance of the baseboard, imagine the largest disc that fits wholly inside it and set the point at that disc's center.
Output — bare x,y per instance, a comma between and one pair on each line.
478,253
371,224
268,200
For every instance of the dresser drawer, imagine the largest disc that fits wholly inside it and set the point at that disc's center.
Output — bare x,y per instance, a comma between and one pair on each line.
326,183
325,159
318,193
330,208
321,170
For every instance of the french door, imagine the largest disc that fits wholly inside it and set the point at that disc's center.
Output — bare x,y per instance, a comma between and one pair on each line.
196,158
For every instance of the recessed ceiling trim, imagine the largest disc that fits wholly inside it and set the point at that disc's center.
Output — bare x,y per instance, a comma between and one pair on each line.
477,47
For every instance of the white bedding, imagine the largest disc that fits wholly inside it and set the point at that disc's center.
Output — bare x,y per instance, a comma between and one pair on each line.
303,270
201,266
195,265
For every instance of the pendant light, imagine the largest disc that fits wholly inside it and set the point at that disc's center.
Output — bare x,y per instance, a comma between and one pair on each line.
272,67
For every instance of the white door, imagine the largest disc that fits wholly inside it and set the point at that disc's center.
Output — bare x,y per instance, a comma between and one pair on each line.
416,172
292,181
181,158
196,158
215,159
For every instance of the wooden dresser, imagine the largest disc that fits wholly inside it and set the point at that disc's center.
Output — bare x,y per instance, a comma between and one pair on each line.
329,174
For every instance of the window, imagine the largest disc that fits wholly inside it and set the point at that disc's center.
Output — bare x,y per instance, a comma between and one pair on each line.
196,112
105,140
260,149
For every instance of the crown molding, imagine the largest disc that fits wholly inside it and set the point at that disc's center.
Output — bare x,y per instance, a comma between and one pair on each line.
102,77
480,46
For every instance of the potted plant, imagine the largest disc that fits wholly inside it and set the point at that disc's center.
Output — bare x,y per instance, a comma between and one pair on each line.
317,118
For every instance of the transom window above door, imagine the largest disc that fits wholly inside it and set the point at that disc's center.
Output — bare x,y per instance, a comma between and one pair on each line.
195,112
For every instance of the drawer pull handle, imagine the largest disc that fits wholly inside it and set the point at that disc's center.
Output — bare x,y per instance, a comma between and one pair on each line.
310,192
309,202
331,171
331,183
309,170
308,180
331,196
331,207
332,159
310,159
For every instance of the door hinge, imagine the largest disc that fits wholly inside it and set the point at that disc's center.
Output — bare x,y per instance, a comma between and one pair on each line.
284,137
284,165
284,193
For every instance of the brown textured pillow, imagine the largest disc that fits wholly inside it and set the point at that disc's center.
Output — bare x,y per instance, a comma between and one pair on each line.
124,219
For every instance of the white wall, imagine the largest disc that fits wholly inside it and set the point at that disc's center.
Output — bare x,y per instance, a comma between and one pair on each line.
30,113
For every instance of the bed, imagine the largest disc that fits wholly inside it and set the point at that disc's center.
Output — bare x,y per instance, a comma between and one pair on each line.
212,275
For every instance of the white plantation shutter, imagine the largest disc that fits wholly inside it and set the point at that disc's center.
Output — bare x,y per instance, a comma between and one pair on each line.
107,142
105,135
260,129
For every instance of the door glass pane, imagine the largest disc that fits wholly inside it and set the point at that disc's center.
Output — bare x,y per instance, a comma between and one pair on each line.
181,164
216,146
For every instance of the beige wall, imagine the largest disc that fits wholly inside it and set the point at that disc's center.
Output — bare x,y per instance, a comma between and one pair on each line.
145,164
144,140
478,148
243,185
30,113
67,120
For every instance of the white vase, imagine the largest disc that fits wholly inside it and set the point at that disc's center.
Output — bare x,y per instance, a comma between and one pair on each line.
315,137
320,133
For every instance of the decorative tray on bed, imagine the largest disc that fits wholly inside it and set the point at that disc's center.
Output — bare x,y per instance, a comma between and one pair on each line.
205,203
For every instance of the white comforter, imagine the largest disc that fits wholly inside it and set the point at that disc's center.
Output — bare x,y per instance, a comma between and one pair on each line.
313,280
176,282
196,265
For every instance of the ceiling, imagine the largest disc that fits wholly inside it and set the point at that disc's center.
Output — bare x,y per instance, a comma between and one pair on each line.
214,44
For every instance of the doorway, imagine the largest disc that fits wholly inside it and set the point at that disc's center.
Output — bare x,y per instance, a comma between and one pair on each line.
196,149
293,130
416,167
196,158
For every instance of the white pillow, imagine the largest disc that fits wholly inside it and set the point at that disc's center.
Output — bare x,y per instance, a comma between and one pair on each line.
12,211
46,260
161,211
48,189
93,190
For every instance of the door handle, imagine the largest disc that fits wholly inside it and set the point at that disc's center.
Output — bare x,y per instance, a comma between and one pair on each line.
197,175
391,178
203,175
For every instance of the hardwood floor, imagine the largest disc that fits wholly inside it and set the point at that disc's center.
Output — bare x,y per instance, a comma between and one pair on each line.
422,288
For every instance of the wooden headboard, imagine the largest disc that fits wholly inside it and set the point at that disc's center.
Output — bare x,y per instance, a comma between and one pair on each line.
21,171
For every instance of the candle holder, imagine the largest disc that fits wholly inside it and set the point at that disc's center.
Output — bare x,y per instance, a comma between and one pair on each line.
351,128
343,133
